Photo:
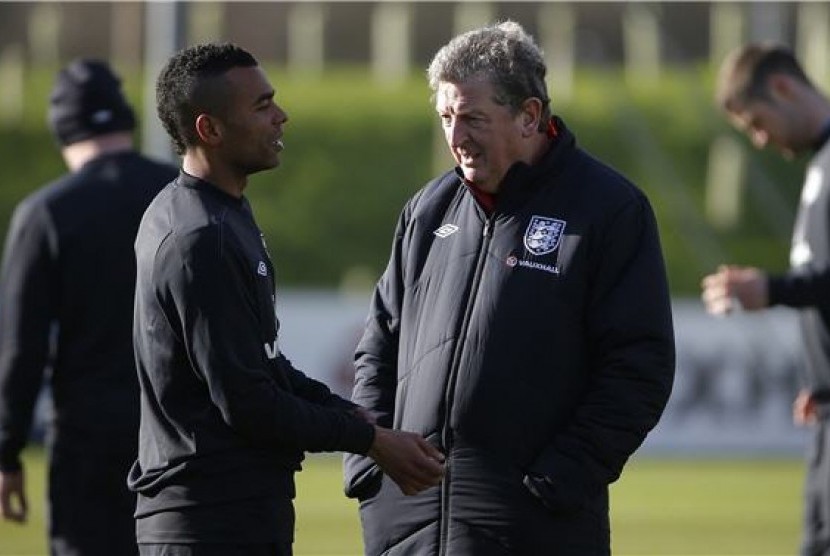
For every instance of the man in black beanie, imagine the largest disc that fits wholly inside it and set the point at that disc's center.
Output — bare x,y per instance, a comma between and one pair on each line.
66,292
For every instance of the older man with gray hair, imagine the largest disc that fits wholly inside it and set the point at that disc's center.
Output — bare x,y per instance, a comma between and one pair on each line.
523,324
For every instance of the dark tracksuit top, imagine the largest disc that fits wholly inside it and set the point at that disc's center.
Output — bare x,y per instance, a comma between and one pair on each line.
69,269
806,286
532,342
224,415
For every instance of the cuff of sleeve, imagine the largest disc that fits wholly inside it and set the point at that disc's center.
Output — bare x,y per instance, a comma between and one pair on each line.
10,463
359,436
776,286
542,488
561,483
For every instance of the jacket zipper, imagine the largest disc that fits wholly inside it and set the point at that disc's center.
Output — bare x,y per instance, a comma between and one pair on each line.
446,433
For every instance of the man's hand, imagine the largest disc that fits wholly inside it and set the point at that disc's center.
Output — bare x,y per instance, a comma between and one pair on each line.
804,409
13,504
747,285
409,460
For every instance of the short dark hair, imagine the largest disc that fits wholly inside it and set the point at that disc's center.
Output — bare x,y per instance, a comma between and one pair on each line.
745,71
505,55
192,83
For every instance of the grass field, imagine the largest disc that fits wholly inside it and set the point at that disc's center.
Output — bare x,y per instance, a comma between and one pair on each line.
661,507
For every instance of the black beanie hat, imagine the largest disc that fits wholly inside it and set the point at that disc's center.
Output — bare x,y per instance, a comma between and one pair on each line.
87,101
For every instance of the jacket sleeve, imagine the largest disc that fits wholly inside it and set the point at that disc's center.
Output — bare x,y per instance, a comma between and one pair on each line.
631,339
212,295
800,288
805,286
310,389
27,293
376,358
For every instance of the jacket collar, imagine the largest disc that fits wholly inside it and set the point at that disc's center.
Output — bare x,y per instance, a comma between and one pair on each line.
192,182
523,175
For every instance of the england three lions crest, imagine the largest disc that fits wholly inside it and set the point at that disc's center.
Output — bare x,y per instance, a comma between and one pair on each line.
543,235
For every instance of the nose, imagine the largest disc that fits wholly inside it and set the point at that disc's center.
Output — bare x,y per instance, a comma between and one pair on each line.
455,133
280,115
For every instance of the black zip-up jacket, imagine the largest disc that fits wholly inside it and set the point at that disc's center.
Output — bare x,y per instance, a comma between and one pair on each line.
224,415
806,286
66,301
533,346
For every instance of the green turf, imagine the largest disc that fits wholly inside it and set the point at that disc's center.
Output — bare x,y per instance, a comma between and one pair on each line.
661,507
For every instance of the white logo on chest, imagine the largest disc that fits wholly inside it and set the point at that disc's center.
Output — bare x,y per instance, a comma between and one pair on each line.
446,230
543,235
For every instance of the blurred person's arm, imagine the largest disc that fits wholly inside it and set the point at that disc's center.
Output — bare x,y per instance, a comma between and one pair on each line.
754,289
28,277
802,287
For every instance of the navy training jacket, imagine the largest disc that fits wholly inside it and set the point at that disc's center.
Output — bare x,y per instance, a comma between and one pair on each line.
534,341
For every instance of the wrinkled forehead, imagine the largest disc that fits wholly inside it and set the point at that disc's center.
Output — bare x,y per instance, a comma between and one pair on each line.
477,93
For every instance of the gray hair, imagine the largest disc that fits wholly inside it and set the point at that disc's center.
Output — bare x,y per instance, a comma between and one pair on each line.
505,55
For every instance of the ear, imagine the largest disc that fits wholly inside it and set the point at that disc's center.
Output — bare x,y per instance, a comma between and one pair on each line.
530,116
209,129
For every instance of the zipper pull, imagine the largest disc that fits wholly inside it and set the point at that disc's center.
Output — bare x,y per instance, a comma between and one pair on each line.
486,231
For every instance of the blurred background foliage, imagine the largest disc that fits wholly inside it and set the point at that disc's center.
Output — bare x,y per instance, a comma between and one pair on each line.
356,150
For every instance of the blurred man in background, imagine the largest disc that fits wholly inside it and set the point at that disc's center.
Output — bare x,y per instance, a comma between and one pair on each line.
225,418
765,93
66,305
523,324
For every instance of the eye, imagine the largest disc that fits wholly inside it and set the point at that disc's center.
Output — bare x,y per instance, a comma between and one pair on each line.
475,121
446,120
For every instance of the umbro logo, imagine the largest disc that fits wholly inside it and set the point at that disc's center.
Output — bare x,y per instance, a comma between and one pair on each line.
101,116
262,270
446,230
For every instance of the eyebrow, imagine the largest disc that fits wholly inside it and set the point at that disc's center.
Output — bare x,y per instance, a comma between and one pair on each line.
463,110
264,96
